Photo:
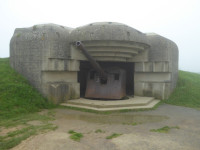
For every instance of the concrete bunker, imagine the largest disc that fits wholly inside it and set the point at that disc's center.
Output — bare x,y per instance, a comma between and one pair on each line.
47,56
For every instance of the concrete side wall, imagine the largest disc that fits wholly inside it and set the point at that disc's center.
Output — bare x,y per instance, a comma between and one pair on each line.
60,85
26,49
158,66
159,75
40,54
163,49
152,79
174,65
159,90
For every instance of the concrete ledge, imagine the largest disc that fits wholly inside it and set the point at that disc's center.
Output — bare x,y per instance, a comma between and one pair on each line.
152,77
111,105
156,66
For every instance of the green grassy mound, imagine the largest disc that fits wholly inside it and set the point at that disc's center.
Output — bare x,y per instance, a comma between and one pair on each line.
16,95
187,92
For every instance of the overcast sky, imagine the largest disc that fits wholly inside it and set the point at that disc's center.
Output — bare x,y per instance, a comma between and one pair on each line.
178,20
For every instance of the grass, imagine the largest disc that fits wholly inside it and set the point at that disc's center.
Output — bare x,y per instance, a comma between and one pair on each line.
114,135
75,135
71,132
99,131
13,138
17,96
187,92
164,129
24,119
19,105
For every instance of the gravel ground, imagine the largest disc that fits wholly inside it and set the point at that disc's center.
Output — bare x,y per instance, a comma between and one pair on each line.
134,126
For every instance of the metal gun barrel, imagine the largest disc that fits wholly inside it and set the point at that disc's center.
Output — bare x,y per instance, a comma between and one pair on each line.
93,62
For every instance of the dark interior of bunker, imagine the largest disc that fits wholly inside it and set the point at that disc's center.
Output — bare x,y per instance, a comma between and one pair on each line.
85,68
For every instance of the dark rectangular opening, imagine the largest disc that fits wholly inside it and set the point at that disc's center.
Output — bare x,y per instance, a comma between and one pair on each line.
85,67
116,76
92,75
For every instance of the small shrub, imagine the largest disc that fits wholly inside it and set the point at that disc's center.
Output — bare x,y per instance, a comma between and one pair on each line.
164,129
71,132
75,135
114,135
99,131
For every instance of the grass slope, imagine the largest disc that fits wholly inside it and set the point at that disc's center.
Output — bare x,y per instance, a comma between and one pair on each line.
16,95
187,92
19,104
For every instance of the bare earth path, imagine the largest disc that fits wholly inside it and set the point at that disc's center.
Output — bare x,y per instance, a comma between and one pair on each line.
134,137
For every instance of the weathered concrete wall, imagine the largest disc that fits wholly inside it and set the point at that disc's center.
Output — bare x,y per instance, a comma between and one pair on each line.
108,31
108,41
26,49
40,54
166,50
158,77
152,79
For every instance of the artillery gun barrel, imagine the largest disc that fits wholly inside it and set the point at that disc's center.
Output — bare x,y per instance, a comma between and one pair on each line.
93,62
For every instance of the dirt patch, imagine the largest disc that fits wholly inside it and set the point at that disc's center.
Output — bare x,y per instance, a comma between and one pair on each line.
150,142
134,126
4,131
116,118
35,123
48,141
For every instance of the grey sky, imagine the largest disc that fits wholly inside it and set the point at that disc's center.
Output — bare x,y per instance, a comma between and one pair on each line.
178,20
